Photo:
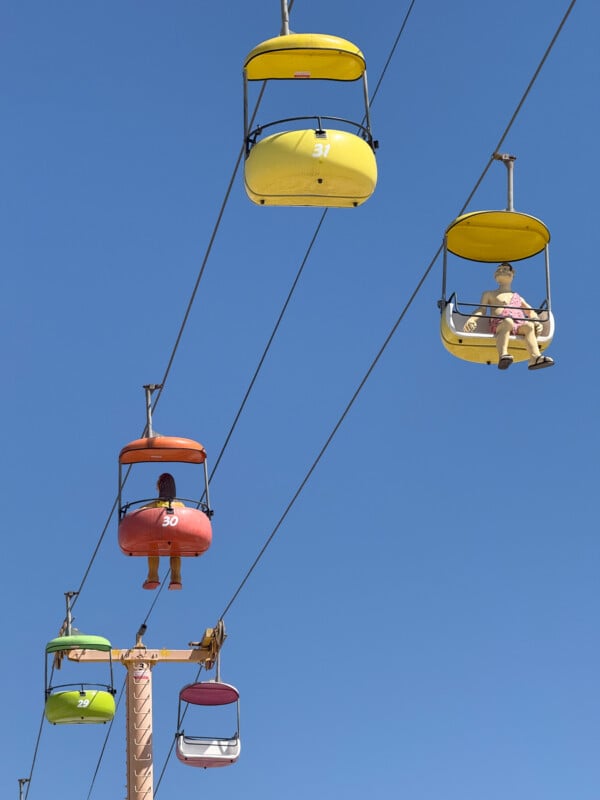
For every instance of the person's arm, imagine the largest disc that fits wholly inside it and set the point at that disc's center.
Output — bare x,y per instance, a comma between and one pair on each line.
471,323
532,314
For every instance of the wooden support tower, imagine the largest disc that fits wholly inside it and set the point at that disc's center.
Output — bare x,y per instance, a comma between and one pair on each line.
139,662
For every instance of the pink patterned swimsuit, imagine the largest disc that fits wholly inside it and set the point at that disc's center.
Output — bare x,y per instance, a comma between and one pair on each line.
512,310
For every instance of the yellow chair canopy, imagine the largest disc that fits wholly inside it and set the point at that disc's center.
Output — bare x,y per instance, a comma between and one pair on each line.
496,236
305,55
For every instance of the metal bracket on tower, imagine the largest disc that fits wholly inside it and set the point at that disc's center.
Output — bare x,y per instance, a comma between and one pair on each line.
139,645
212,641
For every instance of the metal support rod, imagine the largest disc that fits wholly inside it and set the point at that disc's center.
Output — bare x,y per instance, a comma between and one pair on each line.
367,109
22,782
149,388
444,271
206,486
246,129
68,596
285,18
547,264
509,163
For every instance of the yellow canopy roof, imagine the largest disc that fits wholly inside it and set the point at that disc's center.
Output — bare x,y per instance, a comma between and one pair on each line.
305,55
496,236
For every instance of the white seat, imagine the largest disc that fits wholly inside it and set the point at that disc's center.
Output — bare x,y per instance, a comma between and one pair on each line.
208,751
479,346
197,751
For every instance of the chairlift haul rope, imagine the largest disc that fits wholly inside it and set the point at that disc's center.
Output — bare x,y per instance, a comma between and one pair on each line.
26,782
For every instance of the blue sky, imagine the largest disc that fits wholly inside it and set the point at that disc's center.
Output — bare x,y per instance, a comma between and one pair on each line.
424,622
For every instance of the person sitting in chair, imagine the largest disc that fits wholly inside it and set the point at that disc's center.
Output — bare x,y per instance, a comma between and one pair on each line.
166,494
510,314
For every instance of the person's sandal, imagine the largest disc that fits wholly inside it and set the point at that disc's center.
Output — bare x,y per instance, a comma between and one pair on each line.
541,362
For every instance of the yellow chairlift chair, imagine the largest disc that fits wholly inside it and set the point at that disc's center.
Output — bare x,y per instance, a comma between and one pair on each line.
319,166
488,237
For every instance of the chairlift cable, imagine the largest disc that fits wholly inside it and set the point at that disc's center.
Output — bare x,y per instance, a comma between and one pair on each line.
391,53
517,110
331,435
269,343
279,319
197,284
115,503
105,743
361,384
303,262
176,345
203,265
392,331
35,754
170,752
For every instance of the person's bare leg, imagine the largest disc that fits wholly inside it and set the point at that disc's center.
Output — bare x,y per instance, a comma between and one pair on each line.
527,331
152,581
503,331
175,573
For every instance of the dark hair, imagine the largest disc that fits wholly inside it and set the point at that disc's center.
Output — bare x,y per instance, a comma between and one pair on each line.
166,485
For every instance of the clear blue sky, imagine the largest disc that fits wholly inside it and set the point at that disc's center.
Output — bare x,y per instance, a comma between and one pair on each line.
424,623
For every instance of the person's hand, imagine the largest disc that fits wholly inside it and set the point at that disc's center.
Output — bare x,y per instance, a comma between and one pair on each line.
539,328
470,325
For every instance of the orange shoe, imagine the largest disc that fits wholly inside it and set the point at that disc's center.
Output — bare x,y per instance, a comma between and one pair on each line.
151,585
175,585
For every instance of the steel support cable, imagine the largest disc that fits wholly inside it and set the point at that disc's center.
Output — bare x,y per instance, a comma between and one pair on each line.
322,219
164,767
35,753
521,102
331,435
269,343
303,263
383,346
108,732
98,543
169,365
377,357
393,329
178,339
259,367
268,346
391,54
176,345
170,751
171,748
207,253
